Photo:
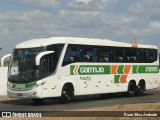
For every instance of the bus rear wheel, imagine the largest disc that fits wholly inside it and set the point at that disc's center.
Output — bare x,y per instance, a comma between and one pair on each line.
140,89
66,95
132,88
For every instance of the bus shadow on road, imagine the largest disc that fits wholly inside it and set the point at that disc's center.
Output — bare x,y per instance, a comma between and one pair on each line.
76,99
109,96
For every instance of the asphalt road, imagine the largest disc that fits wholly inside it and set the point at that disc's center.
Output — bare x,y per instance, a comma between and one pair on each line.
81,102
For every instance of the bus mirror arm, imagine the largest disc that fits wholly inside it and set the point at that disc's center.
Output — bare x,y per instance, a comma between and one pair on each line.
3,59
40,55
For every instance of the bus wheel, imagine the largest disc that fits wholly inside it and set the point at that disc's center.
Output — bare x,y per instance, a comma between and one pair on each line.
37,100
131,89
66,95
140,89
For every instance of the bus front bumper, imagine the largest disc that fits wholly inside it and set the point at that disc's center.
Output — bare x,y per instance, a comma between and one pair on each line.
34,93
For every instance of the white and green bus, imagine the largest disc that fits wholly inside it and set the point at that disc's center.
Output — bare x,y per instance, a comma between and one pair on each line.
63,67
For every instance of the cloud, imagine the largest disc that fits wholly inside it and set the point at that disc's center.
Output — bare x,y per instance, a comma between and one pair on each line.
18,26
147,23
82,19
144,7
83,1
90,5
42,3
155,25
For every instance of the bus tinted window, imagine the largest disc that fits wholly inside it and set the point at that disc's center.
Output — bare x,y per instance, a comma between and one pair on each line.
131,55
48,65
141,55
73,54
119,55
80,53
152,55
88,53
105,54
49,62
57,48
95,54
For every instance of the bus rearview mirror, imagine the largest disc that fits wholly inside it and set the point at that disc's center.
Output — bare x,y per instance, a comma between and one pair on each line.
3,59
40,55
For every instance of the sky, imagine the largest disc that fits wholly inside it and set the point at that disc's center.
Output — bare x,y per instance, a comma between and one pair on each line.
131,21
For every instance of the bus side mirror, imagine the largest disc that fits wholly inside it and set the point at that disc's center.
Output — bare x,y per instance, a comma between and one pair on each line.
3,59
40,55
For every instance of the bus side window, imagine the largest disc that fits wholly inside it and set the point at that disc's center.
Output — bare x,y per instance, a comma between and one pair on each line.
57,48
67,57
119,55
95,56
152,55
105,54
131,55
79,54
141,55
73,54
47,65
87,53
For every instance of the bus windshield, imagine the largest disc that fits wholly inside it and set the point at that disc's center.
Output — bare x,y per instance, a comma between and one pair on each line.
22,67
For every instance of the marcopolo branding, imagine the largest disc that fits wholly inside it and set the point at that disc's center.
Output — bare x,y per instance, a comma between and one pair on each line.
89,70
85,78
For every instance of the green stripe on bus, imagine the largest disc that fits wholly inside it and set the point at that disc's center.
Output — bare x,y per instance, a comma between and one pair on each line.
30,84
116,78
72,69
120,69
146,69
134,68
142,69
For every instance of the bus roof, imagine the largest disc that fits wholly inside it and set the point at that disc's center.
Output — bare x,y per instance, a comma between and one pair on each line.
73,40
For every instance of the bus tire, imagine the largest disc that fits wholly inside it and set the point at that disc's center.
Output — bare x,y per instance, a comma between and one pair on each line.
132,88
140,88
66,94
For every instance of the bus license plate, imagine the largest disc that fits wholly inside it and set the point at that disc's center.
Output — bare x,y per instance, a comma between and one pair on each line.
19,94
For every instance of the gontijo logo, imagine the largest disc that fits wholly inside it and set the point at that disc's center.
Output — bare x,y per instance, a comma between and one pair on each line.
89,70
